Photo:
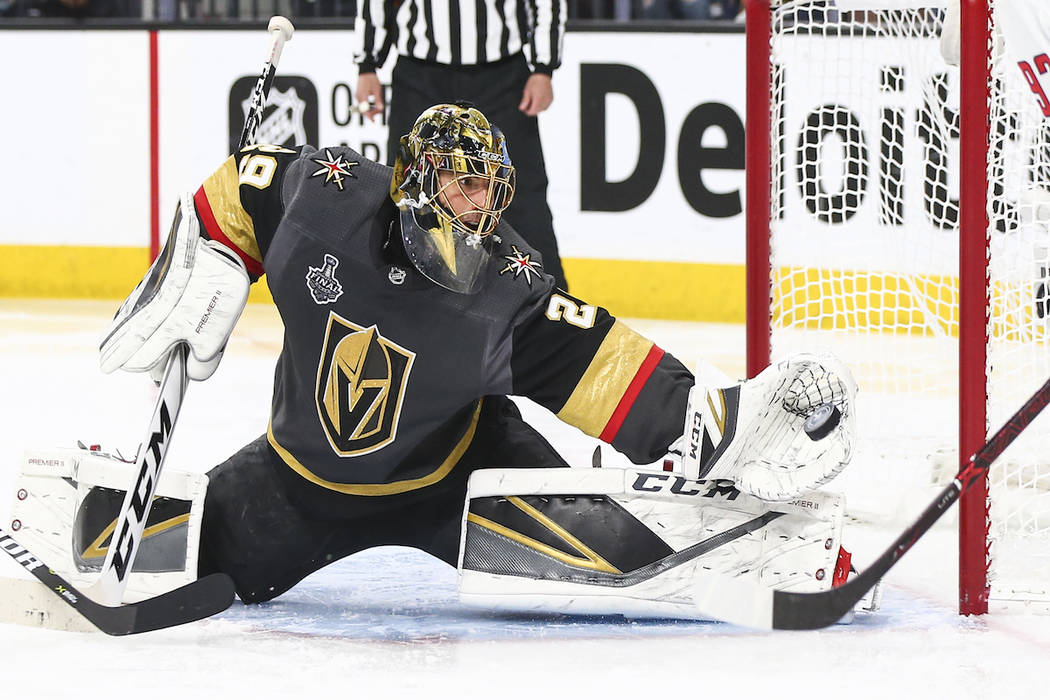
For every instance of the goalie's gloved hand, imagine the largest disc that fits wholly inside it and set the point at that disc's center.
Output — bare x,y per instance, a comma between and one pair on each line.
193,293
755,433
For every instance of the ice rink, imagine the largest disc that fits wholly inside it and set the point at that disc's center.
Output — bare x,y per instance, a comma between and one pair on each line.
386,623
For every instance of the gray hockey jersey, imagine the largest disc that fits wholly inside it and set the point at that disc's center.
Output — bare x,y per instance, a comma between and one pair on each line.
379,383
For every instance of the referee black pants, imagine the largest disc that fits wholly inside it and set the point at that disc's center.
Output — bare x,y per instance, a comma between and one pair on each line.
495,89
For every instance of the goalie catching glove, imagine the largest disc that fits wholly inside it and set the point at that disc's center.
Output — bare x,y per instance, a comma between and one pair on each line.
193,293
756,434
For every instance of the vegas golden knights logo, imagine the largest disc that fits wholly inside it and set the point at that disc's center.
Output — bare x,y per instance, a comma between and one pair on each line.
361,382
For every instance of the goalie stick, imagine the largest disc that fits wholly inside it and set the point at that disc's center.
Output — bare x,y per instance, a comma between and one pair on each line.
740,602
131,521
280,31
194,601
197,599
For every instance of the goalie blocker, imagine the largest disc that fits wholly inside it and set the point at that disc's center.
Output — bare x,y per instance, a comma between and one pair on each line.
623,541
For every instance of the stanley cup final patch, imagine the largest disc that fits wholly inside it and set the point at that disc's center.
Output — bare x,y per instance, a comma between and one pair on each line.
321,281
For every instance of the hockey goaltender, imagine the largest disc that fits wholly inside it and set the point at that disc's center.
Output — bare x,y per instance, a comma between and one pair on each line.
411,312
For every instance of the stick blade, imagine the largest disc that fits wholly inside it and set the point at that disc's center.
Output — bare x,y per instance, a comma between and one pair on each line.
810,611
194,601
748,604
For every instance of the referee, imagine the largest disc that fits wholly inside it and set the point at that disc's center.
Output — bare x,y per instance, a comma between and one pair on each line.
472,50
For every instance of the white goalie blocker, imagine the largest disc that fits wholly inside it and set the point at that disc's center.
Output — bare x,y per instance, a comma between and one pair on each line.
630,542
65,509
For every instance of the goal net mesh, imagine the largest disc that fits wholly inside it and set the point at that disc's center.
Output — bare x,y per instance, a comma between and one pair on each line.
864,243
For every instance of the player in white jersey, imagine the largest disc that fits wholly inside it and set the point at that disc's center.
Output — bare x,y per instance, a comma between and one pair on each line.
1025,26
1022,38
1020,42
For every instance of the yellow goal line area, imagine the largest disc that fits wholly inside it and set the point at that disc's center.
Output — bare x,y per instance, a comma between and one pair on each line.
864,301
803,297
79,272
639,289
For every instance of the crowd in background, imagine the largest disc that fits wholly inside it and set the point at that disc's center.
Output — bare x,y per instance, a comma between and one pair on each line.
174,10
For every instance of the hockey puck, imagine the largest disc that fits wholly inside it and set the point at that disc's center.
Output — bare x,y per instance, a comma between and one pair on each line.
822,421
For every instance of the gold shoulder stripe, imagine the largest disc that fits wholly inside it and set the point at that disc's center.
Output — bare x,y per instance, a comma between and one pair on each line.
382,489
222,190
614,365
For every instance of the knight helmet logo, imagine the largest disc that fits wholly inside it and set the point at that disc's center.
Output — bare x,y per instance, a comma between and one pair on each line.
361,382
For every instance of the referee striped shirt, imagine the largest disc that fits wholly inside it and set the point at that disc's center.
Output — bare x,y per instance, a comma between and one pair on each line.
460,32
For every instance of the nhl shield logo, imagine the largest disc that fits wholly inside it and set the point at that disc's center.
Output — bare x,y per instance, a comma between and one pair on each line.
289,118
361,382
321,281
285,123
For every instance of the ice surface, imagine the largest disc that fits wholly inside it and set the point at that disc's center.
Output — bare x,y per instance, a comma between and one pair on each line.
386,623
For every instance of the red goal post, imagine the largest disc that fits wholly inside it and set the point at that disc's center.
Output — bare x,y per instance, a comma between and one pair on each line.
890,219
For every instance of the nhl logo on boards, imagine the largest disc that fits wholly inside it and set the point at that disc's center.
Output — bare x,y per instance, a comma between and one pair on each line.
321,281
289,117
285,122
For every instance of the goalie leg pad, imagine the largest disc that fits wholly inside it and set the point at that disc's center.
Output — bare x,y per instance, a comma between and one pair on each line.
623,541
65,509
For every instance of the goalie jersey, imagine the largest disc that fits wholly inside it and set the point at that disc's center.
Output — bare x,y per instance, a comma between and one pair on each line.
380,381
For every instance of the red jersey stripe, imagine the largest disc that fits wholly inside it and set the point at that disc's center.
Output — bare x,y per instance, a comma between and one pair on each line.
207,217
633,389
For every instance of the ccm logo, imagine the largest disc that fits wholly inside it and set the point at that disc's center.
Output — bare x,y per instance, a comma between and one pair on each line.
656,483
695,434
19,553
141,495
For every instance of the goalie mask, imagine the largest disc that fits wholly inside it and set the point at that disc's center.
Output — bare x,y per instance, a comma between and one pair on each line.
452,180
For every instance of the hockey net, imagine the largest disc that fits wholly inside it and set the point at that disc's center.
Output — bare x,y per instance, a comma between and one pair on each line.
854,130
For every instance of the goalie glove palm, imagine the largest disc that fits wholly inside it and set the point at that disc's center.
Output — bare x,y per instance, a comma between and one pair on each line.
754,433
193,293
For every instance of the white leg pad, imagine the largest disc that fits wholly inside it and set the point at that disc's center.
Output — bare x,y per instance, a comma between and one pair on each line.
65,507
625,541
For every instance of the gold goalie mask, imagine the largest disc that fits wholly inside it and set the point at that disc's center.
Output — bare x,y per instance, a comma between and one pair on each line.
452,180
